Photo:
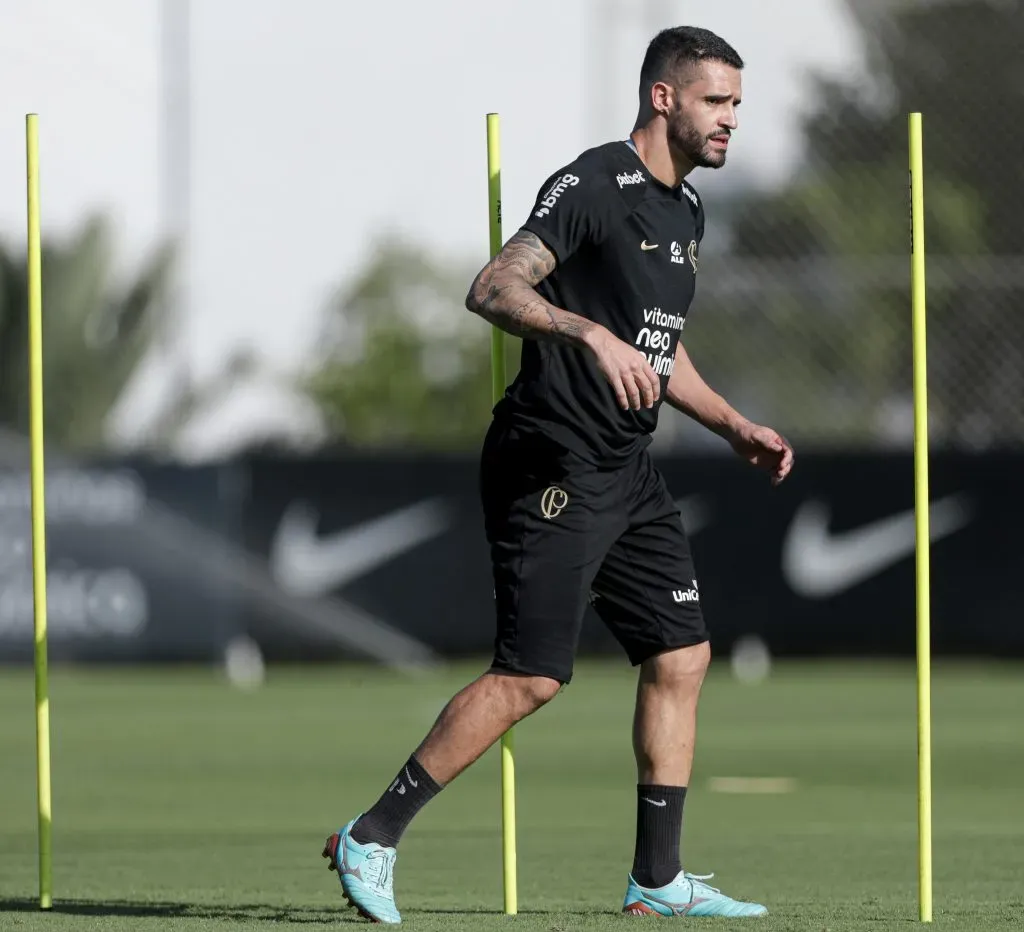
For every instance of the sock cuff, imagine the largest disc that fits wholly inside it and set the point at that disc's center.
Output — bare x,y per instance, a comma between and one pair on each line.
419,773
660,789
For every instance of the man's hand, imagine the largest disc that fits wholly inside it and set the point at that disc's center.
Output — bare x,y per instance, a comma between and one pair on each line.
764,448
627,370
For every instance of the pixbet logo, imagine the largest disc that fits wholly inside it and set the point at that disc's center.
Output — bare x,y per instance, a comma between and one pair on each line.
636,178
553,193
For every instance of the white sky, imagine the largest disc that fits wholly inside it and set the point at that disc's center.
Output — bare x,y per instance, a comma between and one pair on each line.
321,126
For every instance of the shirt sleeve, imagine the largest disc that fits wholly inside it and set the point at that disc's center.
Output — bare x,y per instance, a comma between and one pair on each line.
570,210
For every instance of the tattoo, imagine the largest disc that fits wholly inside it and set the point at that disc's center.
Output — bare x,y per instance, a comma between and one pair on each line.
503,293
528,255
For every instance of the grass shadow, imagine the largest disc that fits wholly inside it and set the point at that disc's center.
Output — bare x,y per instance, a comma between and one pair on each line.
470,911
241,912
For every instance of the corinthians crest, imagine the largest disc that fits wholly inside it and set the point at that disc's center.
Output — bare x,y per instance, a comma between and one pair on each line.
553,501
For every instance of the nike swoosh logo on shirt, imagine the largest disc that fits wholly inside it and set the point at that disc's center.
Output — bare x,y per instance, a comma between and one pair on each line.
645,246
817,563
306,564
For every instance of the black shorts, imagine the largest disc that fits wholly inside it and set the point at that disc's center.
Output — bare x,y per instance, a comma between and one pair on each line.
562,533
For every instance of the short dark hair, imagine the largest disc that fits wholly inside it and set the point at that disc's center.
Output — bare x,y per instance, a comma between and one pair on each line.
673,50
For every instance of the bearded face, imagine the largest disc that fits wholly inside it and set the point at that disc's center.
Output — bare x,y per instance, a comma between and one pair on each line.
702,115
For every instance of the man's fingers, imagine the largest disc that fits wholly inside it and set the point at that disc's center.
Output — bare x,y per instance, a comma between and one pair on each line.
785,466
646,389
772,440
650,384
629,383
619,387
636,384
655,382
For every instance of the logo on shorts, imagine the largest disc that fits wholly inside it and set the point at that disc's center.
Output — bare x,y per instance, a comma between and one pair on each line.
687,595
553,501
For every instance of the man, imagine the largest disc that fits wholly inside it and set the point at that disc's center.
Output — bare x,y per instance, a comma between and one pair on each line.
598,282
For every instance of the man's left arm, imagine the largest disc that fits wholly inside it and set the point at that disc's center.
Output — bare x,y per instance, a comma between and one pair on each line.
763,447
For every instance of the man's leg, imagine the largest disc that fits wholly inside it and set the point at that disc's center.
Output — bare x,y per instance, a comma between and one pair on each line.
647,593
468,725
664,731
364,851
547,543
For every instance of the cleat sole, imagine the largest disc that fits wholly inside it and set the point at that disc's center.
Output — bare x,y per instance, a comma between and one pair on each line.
359,909
331,853
638,909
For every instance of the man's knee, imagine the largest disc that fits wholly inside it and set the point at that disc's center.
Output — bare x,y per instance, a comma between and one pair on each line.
682,667
527,693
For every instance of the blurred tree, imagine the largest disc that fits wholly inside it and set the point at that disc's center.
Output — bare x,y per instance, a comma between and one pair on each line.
958,62
95,338
400,361
843,222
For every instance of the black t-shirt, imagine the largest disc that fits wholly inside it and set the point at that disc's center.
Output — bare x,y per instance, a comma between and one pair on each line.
626,246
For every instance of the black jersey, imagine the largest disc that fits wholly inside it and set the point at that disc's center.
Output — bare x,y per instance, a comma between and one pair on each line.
627,247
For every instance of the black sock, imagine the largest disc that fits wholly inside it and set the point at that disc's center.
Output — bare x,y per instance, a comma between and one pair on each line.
659,822
408,793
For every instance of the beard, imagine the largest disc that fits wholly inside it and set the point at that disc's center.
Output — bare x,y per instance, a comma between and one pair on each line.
685,138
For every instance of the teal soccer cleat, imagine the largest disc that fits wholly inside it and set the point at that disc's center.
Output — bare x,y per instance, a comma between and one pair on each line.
367,874
686,895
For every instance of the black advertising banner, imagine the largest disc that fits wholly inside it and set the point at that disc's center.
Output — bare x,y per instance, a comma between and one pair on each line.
383,558
126,578
823,564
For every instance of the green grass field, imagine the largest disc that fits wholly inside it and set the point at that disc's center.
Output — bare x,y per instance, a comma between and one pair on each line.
183,803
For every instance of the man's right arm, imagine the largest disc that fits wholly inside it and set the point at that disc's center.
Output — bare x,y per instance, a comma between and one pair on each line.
503,294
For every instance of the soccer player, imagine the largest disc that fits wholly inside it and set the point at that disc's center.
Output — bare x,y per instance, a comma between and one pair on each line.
598,282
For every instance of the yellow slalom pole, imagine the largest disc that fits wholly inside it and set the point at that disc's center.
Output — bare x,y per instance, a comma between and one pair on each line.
921,505
494,217
35,369
508,770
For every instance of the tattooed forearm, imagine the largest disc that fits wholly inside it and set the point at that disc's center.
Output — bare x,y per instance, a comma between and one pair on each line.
503,294
526,254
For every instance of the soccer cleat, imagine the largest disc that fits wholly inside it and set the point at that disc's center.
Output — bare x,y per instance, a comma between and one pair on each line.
366,873
686,895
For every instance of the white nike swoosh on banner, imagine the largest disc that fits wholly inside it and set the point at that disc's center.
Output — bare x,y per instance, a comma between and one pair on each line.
819,564
306,564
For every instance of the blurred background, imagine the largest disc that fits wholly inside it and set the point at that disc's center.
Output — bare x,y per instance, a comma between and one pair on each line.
264,398
264,407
